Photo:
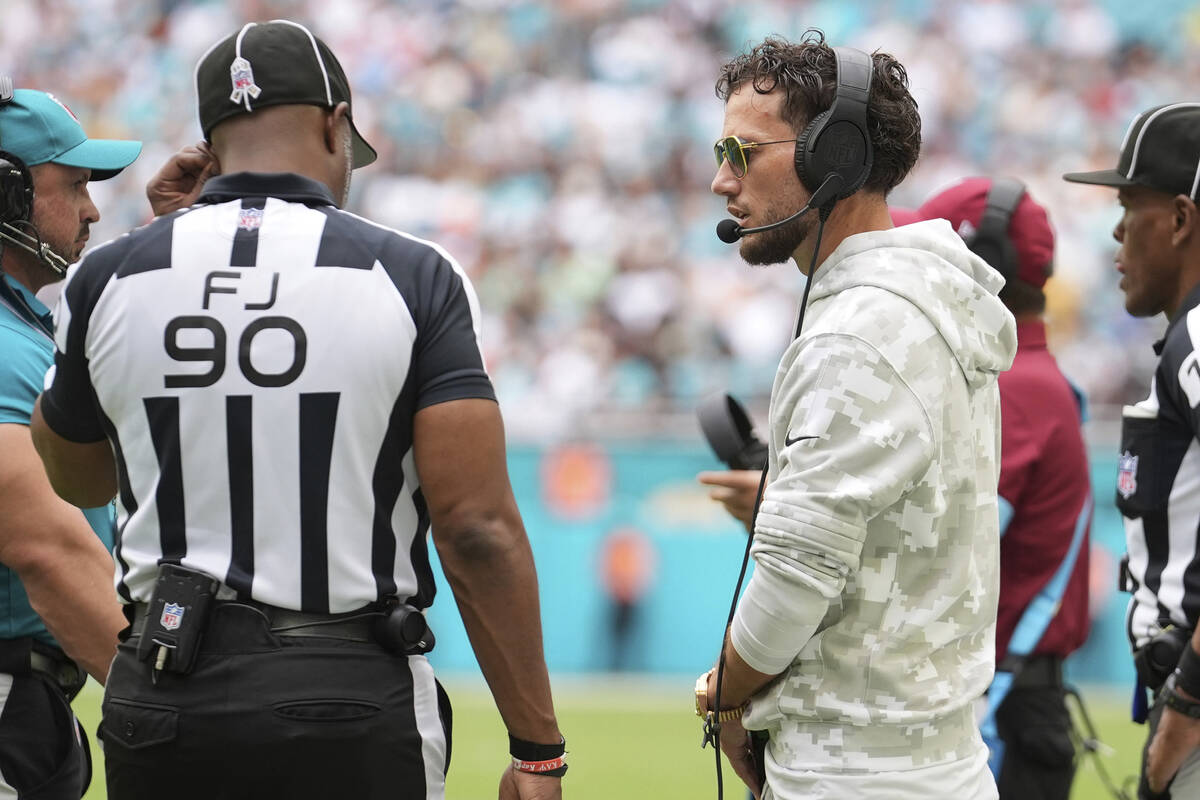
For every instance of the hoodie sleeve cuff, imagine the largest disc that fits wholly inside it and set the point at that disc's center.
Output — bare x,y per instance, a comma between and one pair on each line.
774,620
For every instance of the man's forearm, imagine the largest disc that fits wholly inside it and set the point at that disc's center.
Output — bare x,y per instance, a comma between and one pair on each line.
495,585
739,682
73,594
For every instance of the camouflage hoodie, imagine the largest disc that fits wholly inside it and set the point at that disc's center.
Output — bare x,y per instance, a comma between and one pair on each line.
880,518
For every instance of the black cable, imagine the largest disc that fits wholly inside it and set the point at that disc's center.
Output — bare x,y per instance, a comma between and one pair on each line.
1091,744
712,726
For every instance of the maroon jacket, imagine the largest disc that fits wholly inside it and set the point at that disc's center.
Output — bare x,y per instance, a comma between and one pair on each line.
1044,477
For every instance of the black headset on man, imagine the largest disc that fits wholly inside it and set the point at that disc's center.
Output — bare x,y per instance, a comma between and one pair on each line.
991,240
833,160
16,202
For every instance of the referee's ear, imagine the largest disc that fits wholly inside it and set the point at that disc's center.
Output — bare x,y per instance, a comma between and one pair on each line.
333,127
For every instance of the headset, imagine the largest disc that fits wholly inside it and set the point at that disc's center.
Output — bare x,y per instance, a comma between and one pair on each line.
836,142
16,190
16,202
991,240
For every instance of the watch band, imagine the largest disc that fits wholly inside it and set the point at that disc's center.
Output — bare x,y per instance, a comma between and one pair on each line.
730,714
1176,702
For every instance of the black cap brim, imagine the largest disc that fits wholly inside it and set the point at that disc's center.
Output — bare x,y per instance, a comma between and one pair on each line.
1101,177
363,153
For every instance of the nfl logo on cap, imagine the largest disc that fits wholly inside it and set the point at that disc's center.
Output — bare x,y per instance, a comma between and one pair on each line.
172,616
244,88
1127,474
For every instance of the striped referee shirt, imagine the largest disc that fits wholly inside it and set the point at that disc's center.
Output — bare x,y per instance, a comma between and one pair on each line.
1158,484
256,361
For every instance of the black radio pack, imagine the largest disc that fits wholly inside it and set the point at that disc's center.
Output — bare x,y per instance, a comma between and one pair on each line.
176,618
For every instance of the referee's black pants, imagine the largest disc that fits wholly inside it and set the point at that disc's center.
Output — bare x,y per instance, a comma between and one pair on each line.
1035,726
270,716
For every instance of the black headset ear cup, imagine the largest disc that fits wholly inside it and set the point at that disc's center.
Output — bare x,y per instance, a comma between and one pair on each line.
16,189
837,141
998,253
841,149
805,168
992,240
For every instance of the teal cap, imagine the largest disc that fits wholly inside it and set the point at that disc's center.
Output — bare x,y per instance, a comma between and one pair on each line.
37,128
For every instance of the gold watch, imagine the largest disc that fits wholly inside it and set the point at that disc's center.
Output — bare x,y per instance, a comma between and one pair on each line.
702,709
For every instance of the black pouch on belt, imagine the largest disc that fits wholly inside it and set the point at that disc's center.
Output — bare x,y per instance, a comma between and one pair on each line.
403,630
1157,658
176,617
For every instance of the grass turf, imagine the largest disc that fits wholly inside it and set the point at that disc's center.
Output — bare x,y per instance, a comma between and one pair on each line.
638,738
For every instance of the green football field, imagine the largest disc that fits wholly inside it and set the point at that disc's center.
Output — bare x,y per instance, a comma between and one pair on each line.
638,738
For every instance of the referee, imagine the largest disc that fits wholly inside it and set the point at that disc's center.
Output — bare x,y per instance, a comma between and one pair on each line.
1157,179
285,397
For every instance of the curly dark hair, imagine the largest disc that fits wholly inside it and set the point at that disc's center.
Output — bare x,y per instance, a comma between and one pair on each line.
807,73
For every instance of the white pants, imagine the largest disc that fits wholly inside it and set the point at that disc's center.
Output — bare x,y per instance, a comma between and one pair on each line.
968,779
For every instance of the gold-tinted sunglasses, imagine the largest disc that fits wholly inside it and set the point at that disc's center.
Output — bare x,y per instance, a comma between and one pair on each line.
735,151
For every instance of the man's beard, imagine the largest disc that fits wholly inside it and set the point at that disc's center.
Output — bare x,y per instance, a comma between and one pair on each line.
777,245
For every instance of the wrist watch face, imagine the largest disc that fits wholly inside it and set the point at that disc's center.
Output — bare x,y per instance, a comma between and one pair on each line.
702,695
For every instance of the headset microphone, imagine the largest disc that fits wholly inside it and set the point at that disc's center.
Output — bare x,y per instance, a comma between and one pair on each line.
729,231
34,246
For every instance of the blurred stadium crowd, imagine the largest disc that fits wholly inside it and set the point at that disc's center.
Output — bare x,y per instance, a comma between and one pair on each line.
562,151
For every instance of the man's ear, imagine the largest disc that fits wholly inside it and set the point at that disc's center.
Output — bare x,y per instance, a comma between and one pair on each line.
1186,219
333,126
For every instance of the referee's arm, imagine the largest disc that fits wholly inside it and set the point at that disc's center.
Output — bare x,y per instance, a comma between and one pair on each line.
459,450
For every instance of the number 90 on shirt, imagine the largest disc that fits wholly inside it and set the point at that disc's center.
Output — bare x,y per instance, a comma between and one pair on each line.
215,354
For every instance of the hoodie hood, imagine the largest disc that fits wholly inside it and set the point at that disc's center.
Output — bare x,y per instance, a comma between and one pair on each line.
928,265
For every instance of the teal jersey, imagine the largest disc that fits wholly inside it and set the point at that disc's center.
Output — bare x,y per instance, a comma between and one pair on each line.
26,353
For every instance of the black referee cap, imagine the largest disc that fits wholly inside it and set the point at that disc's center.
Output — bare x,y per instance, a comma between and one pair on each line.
1161,151
270,64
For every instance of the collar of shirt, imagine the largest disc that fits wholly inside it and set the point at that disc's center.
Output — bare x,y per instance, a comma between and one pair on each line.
24,301
1031,335
283,185
1190,301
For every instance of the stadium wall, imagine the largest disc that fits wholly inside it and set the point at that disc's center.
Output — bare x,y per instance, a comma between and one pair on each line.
575,495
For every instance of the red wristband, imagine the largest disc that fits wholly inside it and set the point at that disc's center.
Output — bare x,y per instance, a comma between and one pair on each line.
540,767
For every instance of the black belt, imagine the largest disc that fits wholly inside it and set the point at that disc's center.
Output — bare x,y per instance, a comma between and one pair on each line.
353,626
26,656
1037,671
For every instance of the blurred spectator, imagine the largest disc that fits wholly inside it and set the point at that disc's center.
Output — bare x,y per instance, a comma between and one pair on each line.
627,568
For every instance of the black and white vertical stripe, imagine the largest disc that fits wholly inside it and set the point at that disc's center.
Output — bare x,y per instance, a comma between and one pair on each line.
1159,494
257,364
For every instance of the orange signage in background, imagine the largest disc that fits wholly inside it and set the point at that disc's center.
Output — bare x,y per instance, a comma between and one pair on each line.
576,480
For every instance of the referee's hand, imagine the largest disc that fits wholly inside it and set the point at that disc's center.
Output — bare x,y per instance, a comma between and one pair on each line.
515,785
178,183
